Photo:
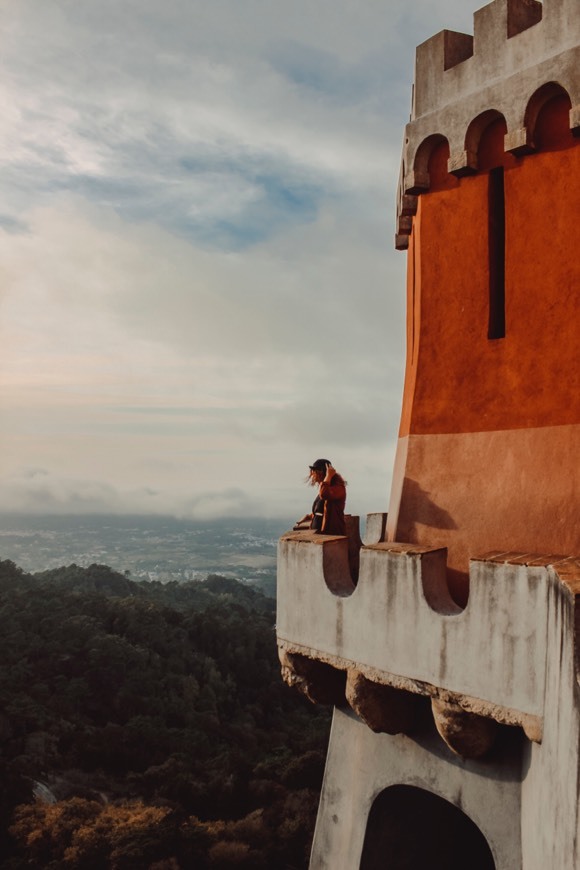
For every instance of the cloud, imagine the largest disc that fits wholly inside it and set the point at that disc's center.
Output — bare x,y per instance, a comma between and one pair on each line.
231,502
165,140
321,291
198,288
38,491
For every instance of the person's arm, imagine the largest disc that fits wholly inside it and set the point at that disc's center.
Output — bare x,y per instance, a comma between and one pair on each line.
304,523
329,491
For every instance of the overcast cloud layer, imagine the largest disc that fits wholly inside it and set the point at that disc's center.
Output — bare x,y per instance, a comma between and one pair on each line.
198,289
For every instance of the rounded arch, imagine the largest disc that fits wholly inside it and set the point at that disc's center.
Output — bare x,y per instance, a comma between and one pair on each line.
547,116
431,157
541,98
409,828
426,149
490,124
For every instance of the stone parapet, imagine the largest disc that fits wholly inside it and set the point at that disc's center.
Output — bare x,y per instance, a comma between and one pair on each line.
399,626
509,36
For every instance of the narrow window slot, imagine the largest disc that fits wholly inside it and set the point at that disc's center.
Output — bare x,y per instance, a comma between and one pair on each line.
496,235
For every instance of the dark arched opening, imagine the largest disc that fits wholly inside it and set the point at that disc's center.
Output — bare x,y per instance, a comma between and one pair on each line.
548,118
412,829
431,157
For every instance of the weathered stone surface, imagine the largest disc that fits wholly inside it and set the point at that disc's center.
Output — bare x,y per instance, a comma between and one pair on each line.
462,163
383,708
362,764
321,683
518,47
375,528
354,545
415,183
519,142
466,734
390,624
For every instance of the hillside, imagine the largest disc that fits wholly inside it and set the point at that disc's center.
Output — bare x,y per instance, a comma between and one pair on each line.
154,717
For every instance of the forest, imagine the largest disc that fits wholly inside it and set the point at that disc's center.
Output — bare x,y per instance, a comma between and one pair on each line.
146,726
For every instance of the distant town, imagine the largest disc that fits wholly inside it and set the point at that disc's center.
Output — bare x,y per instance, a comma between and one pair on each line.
151,548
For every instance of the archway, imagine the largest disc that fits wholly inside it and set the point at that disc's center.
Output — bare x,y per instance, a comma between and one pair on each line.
412,829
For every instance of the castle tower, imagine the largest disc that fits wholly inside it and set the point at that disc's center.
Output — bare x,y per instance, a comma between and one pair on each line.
454,662
490,434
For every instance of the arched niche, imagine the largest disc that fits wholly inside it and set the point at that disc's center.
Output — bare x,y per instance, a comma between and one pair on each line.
484,140
427,157
409,828
547,117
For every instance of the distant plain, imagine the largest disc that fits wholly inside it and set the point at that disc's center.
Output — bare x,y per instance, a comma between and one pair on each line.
148,547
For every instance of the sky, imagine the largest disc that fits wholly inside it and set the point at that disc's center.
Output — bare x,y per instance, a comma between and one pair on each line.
199,292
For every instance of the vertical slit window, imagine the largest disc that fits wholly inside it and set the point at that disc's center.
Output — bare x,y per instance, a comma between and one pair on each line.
496,236
414,303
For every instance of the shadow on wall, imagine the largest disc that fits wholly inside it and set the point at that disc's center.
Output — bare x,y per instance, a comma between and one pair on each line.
418,509
412,829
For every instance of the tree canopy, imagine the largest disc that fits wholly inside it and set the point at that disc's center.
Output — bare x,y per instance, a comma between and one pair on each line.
156,717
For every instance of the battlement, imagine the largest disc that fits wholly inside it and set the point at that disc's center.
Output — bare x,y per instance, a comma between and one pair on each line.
508,36
399,627
521,53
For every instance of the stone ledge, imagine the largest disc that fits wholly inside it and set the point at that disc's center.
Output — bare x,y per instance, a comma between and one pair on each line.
399,621
309,537
403,549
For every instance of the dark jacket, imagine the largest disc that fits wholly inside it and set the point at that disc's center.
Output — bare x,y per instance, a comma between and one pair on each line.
328,508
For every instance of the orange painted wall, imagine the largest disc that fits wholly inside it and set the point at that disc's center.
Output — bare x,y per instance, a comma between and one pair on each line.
464,478
466,382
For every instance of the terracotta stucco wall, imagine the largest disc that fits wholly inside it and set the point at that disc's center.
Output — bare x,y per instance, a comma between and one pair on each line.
458,487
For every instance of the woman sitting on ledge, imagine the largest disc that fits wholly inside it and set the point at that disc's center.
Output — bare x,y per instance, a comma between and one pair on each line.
327,517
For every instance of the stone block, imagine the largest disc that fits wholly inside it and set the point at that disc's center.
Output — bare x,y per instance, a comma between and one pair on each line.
319,682
462,163
519,142
466,734
383,708
416,182
575,120
376,528
408,205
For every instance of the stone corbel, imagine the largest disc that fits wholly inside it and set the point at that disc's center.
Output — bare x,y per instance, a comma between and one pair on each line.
408,205
404,225
519,142
466,734
575,120
383,709
321,683
416,183
462,163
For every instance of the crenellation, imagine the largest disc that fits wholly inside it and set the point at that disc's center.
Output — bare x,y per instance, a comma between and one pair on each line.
432,64
509,36
456,117
457,47
521,15
490,46
403,587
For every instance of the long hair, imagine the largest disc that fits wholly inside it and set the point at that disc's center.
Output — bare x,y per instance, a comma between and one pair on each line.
310,481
